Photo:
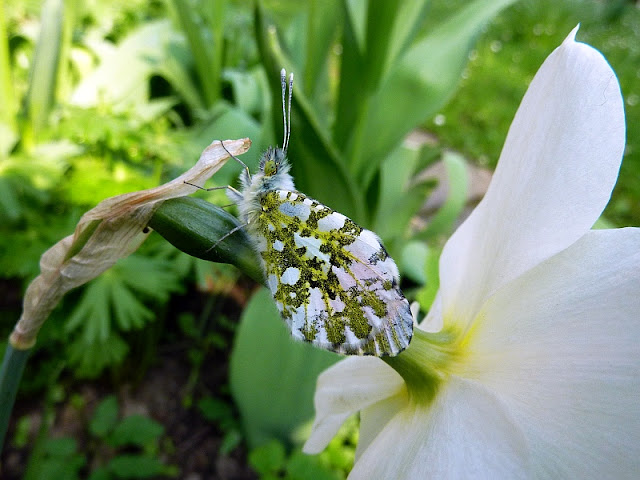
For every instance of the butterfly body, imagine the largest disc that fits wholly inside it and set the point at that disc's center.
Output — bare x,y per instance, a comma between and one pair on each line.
332,280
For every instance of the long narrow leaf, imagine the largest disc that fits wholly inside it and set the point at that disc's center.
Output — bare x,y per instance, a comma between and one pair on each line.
200,48
409,20
390,28
381,17
350,93
8,105
322,25
42,84
427,75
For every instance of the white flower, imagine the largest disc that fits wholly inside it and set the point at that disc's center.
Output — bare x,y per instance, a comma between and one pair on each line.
534,371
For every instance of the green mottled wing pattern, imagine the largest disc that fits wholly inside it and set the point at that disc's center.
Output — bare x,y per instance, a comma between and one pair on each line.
333,281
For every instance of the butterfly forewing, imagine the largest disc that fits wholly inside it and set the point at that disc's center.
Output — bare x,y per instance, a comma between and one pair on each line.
333,281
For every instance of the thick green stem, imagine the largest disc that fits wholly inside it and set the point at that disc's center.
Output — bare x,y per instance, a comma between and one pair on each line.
10,375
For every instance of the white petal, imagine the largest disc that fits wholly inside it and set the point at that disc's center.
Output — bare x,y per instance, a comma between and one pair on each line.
464,434
374,418
433,321
561,347
345,388
555,175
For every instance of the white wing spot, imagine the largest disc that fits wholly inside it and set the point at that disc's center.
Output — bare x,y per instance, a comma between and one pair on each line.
290,276
333,221
299,210
313,247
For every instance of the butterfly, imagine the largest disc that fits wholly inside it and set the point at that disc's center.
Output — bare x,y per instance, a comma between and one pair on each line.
333,281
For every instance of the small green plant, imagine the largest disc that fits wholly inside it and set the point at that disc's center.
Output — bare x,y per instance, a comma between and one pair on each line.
118,449
221,414
271,462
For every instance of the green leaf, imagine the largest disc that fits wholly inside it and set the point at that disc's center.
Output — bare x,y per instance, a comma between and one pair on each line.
42,85
116,297
322,24
443,221
135,430
305,467
136,466
268,458
421,82
100,473
122,78
214,410
57,458
105,417
250,91
266,363
399,200
8,105
350,96
199,41
60,447
89,360
226,121
413,260
427,294
230,441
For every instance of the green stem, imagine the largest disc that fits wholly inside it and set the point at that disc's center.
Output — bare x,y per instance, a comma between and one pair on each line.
10,375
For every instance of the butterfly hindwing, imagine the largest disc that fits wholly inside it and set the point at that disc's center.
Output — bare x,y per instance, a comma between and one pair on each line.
333,281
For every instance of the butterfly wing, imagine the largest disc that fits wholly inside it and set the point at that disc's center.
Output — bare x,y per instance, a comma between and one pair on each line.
333,281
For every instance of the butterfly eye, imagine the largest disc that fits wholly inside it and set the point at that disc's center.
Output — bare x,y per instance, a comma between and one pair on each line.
270,168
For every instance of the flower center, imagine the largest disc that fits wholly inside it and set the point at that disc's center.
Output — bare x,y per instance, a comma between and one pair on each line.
428,361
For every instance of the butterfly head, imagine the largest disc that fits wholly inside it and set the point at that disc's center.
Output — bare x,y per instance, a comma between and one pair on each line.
273,164
274,161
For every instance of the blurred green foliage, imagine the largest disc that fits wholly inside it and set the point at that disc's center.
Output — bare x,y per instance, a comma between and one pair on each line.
107,97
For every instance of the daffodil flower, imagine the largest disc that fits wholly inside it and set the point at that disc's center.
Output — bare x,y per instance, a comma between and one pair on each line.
528,363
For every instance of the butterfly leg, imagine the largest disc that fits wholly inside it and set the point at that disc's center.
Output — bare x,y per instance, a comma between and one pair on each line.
246,169
209,189
234,191
230,232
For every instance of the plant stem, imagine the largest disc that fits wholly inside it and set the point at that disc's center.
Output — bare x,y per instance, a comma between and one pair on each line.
10,375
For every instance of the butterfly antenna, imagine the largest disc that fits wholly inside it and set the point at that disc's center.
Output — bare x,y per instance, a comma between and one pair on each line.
283,86
289,112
